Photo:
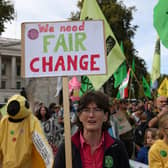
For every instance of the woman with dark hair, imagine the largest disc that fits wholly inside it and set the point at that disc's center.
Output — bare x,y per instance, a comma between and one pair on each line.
92,146
43,114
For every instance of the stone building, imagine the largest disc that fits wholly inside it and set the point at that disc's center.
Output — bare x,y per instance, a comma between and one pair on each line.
11,82
10,79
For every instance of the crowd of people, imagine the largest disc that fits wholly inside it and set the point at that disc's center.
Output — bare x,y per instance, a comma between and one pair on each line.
134,122
108,132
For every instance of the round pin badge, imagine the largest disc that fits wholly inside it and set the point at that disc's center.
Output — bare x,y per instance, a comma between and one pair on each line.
109,161
33,34
163,153
12,132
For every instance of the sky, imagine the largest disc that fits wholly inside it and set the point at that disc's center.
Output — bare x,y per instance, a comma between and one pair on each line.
57,10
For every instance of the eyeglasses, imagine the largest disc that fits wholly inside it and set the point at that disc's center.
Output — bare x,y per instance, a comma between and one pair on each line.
163,101
94,110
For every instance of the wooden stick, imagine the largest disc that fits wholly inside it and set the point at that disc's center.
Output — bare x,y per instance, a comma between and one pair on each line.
67,127
23,50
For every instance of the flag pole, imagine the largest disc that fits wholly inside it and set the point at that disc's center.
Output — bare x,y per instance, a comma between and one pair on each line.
130,87
135,77
67,127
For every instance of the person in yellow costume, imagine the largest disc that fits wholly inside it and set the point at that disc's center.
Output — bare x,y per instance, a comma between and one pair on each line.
22,141
158,153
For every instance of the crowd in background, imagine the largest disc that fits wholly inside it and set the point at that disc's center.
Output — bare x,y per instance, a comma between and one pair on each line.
140,116
134,122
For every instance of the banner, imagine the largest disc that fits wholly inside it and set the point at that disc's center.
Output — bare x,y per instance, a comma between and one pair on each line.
163,89
120,74
63,48
155,74
3,110
146,88
86,85
160,21
59,86
115,57
123,87
54,133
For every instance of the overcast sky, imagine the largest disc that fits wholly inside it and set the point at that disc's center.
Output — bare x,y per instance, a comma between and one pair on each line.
55,10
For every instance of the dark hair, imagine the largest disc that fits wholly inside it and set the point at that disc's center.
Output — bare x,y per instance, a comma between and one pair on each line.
47,115
51,105
100,99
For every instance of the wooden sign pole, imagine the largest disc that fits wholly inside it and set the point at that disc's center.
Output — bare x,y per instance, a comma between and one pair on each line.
67,127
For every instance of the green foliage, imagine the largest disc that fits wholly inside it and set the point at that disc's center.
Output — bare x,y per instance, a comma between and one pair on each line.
6,13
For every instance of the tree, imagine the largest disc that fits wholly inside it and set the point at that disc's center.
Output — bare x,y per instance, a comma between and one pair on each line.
119,18
6,13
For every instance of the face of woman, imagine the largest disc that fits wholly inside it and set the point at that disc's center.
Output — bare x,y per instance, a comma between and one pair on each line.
149,138
42,111
92,117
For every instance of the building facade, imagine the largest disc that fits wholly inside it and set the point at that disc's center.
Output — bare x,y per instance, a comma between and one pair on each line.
11,82
10,66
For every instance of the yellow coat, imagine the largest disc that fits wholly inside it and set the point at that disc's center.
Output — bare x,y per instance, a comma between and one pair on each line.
23,144
158,155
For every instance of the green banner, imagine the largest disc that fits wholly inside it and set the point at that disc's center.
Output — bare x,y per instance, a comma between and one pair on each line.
3,110
115,57
120,74
146,88
160,19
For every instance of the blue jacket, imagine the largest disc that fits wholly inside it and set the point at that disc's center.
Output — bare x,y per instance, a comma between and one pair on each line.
115,155
142,155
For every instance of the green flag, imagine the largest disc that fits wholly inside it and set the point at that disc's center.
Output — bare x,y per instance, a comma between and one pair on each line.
115,56
85,85
118,95
122,47
3,110
120,74
155,74
146,88
160,21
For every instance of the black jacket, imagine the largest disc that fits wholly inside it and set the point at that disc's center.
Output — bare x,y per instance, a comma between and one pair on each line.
115,155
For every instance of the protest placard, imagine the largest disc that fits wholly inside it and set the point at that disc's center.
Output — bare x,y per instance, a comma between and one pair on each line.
63,48
68,48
